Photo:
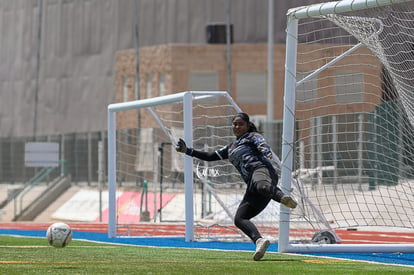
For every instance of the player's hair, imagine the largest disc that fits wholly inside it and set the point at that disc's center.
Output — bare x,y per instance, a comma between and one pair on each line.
245,117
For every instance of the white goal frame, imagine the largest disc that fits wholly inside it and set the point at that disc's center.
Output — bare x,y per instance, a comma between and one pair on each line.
187,99
293,16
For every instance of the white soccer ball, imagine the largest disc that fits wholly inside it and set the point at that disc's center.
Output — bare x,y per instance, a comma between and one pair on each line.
59,234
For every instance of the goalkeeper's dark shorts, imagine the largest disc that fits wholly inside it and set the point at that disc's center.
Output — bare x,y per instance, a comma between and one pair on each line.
253,196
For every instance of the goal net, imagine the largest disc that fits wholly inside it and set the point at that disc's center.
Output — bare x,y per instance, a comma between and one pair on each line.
150,182
348,139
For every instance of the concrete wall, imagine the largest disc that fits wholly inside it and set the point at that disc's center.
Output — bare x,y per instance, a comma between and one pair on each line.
61,79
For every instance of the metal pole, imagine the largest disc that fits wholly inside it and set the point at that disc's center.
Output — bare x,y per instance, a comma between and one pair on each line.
288,128
136,82
188,169
228,47
100,174
38,54
136,45
155,177
111,174
270,67
89,136
62,154
161,152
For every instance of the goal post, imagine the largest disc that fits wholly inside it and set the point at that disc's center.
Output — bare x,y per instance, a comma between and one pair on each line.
167,118
348,145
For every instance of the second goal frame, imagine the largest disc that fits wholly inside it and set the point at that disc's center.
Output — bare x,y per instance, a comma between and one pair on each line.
186,100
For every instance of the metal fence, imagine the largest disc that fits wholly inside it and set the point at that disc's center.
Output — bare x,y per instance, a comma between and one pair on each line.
78,150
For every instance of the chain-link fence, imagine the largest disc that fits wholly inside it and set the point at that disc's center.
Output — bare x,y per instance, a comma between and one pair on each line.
79,151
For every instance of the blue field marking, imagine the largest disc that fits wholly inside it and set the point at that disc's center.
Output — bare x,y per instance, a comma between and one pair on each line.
386,258
179,242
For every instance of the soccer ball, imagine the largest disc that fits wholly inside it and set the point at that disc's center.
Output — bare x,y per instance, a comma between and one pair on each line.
59,234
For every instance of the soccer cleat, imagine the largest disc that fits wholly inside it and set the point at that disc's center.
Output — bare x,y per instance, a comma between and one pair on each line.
261,246
288,202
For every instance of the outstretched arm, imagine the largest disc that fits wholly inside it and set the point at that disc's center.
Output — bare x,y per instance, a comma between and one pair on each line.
207,156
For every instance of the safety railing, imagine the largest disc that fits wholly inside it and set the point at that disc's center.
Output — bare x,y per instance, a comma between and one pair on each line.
39,177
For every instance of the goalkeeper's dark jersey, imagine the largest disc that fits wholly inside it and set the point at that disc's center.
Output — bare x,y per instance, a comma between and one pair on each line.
246,154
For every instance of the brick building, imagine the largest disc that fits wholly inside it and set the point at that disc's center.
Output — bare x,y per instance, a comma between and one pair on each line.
172,68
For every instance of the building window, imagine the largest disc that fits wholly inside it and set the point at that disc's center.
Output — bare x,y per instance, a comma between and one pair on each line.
124,89
203,81
148,86
251,87
349,88
306,92
162,84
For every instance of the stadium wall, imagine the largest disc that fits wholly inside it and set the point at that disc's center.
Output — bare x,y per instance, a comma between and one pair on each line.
58,76
57,69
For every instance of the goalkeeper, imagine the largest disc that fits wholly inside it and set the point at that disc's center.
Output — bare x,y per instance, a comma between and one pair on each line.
251,156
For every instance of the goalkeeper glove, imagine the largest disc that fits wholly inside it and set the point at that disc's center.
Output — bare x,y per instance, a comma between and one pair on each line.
181,146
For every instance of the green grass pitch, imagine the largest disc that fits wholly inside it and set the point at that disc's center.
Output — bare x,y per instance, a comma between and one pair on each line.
20,255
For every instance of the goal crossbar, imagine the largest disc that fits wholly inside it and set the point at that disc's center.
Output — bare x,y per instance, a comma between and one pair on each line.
166,99
334,7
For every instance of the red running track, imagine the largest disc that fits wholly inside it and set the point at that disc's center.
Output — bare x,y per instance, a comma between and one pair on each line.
151,229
